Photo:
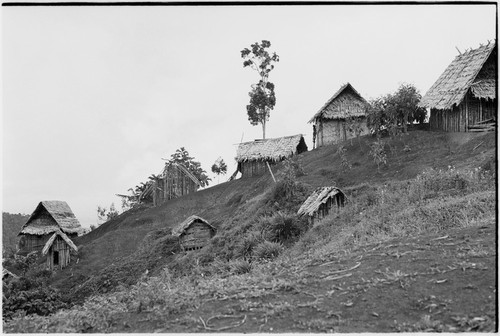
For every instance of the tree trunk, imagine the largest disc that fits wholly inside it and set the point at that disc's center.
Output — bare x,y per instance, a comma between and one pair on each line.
263,129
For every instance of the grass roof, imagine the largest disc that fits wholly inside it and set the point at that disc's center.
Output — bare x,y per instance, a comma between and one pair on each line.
271,149
319,196
64,219
346,102
451,87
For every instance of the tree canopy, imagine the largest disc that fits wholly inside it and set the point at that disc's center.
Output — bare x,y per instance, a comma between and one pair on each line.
262,96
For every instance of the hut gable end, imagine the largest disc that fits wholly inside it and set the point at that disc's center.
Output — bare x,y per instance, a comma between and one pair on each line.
346,102
321,201
50,216
193,233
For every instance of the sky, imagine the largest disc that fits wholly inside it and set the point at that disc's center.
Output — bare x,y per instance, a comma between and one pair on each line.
94,97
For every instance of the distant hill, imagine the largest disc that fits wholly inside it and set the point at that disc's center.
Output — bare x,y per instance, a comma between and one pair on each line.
11,225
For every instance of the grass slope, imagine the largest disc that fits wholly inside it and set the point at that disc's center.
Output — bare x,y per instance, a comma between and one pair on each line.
395,201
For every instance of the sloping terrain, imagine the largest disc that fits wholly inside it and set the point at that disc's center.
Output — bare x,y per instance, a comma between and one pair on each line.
393,259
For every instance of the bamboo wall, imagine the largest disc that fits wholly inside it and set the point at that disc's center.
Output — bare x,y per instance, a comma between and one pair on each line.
196,236
331,132
468,113
174,184
60,247
253,168
29,243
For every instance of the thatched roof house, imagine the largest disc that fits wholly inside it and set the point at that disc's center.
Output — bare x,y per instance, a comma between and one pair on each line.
49,230
321,202
174,180
194,233
252,157
330,122
465,93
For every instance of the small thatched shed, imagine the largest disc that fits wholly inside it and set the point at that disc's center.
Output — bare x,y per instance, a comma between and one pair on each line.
49,230
194,233
342,117
174,180
465,93
321,202
253,157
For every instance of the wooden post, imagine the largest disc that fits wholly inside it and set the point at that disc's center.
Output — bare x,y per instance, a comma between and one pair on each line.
466,113
272,175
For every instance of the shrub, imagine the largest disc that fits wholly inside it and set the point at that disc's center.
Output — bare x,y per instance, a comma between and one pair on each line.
281,228
267,250
240,266
246,246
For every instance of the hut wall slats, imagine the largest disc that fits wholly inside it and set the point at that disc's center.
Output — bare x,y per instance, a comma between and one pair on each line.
334,131
64,255
197,235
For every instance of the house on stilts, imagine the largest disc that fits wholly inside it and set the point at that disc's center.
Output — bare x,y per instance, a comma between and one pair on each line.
174,180
463,98
255,157
341,118
193,233
49,230
321,202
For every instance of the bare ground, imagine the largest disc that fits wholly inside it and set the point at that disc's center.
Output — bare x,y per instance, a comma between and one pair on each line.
425,283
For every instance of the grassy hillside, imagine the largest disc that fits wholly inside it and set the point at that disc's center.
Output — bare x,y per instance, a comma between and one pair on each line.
434,185
11,225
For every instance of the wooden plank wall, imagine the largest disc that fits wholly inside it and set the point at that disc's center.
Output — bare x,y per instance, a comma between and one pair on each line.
174,184
63,249
254,168
469,112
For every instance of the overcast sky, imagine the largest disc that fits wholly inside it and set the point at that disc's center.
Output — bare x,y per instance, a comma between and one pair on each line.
94,97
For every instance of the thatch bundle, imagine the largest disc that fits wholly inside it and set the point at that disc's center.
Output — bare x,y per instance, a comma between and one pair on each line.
463,73
273,150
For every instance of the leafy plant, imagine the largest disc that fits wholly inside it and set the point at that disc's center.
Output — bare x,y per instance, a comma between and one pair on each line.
268,250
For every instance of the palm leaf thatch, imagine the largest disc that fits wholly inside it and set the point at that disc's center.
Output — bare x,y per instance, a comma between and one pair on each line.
318,197
51,240
460,76
60,218
346,102
274,150
179,229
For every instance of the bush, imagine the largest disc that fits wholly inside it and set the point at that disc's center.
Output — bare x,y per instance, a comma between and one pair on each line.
245,248
267,250
240,266
282,228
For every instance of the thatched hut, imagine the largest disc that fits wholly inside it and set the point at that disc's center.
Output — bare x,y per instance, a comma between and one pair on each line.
342,117
253,157
321,202
174,180
49,230
464,96
194,233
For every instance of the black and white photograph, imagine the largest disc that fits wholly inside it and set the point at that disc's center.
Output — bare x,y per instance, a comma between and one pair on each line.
249,167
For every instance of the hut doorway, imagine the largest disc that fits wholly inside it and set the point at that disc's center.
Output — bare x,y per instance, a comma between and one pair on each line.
56,257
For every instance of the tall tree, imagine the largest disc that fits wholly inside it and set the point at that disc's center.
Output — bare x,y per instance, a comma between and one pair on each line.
262,97
219,167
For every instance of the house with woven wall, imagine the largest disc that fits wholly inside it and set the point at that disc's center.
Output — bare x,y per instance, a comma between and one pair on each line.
174,180
193,233
464,96
49,230
341,118
254,157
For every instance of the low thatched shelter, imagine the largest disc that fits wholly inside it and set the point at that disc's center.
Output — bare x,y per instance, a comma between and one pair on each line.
174,181
464,96
194,233
253,157
342,117
49,230
321,202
